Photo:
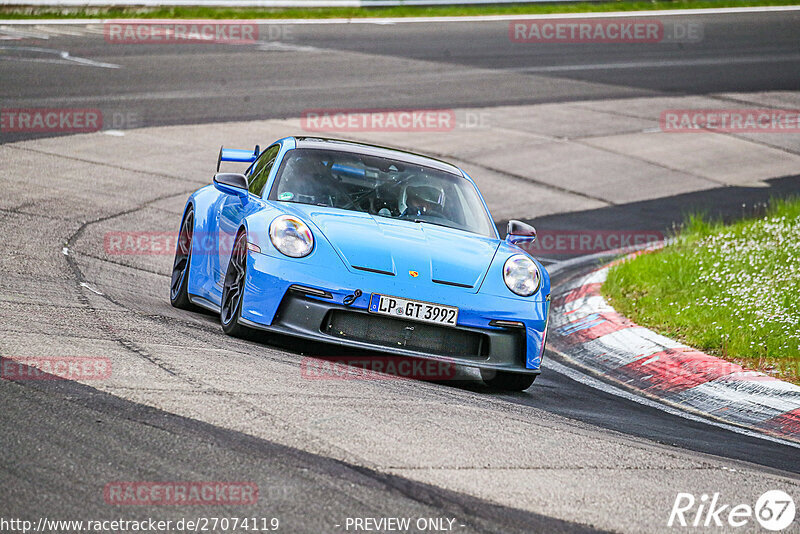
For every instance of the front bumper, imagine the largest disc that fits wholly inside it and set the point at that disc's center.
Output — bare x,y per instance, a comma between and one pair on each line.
269,304
309,318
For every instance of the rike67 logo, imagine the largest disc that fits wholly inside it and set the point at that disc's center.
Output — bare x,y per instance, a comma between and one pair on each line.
774,511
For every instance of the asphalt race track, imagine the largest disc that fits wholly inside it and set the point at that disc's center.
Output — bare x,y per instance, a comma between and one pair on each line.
399,65
186,402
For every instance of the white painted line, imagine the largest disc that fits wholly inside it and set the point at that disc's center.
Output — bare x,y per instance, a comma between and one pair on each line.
605,387
410,20
278,46
63,56
90,288
60,31
658,64
94,29
88,62
17,33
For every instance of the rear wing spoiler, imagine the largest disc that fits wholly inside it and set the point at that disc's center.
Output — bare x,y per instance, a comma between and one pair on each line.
237,155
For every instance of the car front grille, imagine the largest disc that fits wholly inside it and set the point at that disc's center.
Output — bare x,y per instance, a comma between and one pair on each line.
409,335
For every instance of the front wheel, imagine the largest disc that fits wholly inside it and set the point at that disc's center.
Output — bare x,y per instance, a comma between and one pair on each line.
178,294
507,381
233,289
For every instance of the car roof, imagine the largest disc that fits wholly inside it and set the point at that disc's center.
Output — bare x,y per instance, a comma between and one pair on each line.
374,150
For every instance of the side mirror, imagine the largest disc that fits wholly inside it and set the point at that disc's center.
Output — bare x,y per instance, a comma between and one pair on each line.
518,233
231,183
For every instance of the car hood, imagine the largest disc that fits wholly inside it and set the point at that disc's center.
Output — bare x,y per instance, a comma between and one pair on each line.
379,244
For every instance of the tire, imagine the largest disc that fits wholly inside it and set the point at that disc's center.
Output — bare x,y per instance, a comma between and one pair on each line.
507,381
178,295
233,289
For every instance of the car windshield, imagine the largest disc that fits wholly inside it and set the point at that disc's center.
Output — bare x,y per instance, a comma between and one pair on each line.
382,187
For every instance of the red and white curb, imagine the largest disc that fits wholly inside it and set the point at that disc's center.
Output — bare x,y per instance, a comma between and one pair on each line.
586,329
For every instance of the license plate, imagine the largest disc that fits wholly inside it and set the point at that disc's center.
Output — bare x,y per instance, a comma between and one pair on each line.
415,310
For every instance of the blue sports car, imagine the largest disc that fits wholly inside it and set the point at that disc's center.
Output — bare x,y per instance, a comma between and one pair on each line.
366,247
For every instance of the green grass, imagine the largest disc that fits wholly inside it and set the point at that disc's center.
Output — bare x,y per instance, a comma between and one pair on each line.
732,291
19,12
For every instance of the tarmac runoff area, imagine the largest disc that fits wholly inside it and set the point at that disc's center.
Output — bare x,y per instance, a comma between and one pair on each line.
64,294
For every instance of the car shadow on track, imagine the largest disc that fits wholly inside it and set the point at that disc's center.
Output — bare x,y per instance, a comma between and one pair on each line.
320,360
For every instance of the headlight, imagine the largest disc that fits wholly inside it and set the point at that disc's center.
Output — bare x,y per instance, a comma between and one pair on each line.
291,236
521,275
